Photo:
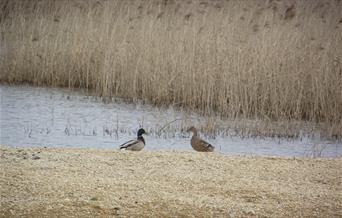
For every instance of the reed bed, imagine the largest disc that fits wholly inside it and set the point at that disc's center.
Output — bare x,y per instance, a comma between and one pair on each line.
271,60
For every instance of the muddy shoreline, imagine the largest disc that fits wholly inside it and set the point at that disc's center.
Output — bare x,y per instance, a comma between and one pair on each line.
86,182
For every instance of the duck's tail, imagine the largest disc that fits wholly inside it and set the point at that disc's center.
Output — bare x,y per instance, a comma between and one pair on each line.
211,147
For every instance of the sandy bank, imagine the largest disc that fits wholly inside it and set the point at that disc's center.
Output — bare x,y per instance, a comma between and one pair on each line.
68,182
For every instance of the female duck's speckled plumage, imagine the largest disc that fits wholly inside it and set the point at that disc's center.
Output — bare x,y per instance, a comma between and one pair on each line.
135,144
198,144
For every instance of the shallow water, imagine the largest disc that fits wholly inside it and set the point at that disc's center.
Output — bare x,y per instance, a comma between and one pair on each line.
32,116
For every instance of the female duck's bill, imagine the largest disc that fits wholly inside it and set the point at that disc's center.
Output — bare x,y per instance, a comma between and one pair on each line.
135,144
197,143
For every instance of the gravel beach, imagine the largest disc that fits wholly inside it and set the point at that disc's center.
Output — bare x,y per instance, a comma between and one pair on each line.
90,182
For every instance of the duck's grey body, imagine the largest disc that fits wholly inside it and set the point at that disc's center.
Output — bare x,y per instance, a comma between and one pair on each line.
136,144
133,145
198,144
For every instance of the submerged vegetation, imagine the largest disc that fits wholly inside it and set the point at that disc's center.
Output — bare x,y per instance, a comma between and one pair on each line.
270,60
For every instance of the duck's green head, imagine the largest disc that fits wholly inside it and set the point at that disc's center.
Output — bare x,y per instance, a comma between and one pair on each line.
141,132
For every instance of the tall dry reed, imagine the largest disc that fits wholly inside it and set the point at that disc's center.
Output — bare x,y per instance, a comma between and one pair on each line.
275,60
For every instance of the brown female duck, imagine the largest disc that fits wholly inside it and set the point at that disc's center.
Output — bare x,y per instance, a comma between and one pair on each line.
197,143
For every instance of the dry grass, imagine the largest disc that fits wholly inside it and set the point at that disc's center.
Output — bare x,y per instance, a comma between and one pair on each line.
275,60
90,182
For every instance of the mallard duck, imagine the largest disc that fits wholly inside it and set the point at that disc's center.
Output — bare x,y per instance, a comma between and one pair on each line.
197,143
135,144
